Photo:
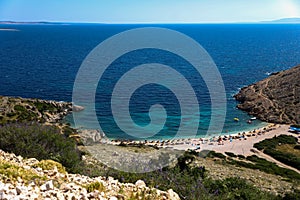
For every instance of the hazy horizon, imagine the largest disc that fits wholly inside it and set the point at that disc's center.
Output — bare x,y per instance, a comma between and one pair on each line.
154,12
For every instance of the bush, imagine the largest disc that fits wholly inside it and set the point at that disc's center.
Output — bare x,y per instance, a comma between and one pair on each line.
231,154
286,158
41,142
297,147
241,156
213,154
269,147
295,195
235,188
273,142
95,186
50,165
19,108
43,106
272,168
12,172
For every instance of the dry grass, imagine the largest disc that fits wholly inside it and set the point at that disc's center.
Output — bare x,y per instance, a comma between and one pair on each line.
288,148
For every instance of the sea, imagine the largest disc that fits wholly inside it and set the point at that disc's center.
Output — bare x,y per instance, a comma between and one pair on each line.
42,61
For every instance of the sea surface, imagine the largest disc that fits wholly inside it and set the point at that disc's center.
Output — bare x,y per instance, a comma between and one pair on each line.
41,61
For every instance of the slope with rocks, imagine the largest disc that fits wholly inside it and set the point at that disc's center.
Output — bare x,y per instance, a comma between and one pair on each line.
32,179
275,99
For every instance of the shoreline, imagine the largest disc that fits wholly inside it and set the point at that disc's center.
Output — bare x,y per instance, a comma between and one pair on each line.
239,143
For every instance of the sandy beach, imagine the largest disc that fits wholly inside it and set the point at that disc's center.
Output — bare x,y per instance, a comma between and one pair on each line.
241,143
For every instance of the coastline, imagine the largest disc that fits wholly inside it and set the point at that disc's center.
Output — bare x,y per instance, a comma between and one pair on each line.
240,144
194,143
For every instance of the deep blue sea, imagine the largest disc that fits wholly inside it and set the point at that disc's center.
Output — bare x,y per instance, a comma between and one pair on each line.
41,61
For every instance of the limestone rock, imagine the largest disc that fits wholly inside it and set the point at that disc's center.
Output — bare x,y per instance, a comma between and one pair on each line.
140,183
173,195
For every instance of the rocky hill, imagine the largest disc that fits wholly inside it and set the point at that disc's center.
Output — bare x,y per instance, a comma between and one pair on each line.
32,179
275,99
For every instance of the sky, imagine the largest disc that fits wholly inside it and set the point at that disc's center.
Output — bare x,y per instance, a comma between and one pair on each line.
148,11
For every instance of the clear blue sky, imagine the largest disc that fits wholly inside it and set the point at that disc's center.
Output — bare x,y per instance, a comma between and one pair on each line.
149,11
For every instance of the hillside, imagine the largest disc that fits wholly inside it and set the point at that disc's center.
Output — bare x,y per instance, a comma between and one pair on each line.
275,99
32,179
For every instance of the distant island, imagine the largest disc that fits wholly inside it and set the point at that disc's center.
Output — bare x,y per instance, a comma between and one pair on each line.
284,21
33,23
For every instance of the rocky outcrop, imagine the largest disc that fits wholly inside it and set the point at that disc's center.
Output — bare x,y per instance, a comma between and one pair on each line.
275,99
32,179
16,109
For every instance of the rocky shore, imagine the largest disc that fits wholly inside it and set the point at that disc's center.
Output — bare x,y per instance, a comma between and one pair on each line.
275,99
17,109
32,179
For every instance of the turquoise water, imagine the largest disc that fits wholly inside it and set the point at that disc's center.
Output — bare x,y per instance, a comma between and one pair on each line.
41,61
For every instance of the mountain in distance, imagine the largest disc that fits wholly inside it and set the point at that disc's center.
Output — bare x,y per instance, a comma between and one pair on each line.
284,21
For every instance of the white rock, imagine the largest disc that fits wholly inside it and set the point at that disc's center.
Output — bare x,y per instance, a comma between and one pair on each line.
113,198
173,195
19,190
34,196
49,185
140,183
60,196
39,169
26,167
12,192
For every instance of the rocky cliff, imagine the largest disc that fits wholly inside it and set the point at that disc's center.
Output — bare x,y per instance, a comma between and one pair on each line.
275,99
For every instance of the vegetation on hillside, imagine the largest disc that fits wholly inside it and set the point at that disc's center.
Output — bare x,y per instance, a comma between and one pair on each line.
45,142
280,149
33,140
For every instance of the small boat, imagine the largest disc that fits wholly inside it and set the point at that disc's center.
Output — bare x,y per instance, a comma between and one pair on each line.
236,119
249,121
253,118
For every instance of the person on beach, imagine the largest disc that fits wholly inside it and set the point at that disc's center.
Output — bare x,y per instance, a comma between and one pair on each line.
220,141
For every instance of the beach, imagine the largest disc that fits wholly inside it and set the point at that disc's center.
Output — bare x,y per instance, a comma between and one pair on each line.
239,144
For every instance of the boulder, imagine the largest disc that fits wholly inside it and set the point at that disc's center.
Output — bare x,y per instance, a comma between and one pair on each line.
140,183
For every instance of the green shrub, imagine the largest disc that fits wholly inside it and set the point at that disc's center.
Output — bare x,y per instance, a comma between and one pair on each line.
12,172
294,195
273,142
95,186
50,165
286,158
269,147
213,154
19,108
230,154
235,188
297,147
43,107
272,168
41,142
67,130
